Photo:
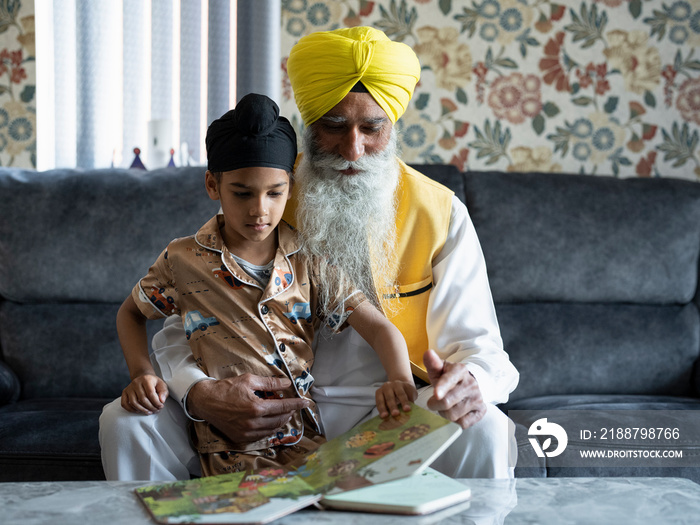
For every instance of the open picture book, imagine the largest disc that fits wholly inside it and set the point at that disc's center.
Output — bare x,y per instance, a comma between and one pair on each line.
374,467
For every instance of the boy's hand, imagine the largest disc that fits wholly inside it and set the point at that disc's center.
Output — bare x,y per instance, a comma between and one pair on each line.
394,396
145,394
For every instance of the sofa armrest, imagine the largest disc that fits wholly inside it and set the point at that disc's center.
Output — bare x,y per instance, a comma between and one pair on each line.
9,385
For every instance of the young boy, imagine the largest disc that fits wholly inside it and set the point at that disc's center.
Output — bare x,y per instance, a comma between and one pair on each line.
247,298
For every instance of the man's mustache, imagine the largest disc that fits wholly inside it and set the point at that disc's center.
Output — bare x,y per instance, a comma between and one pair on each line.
338,163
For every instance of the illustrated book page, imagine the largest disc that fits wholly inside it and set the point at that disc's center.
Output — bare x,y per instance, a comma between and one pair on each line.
374,452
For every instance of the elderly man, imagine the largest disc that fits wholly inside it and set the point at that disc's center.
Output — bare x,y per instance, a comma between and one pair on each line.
405,240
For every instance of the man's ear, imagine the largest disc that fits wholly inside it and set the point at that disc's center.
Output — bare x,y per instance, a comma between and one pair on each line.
212,185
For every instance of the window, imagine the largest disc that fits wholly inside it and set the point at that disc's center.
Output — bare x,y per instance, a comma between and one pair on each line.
113,75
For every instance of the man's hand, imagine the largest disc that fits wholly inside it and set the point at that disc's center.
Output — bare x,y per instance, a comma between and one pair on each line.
457,396
232,406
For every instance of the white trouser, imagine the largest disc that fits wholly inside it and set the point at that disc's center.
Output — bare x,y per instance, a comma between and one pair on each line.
485,450
156,447
139,447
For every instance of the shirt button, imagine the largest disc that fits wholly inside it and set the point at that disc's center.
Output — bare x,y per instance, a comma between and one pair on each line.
282,347
264,309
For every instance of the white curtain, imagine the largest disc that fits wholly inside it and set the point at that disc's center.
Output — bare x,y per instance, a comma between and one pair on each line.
149,74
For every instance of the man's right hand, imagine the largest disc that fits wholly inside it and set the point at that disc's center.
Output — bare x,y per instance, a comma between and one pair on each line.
232,406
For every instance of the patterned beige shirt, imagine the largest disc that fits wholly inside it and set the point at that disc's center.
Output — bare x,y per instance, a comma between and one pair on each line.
234,326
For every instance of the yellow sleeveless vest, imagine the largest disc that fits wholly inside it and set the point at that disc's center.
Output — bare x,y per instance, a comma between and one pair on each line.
422,222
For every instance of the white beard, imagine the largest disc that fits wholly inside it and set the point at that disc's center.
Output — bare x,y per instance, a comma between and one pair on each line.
342,219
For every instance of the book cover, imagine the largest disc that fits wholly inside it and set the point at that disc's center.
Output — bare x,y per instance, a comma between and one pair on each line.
374,452
421,493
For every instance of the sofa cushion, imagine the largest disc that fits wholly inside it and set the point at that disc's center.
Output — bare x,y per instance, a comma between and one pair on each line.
577,238
569,348
50,439
84,250
600,414
605,402
72,424
65,350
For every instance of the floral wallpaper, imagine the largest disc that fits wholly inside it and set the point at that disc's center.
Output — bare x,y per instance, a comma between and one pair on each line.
17,84
609,87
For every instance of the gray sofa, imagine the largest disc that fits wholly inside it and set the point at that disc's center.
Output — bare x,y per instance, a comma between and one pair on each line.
595,283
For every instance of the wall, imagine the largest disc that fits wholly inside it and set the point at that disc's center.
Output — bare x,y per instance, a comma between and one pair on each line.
17,84
609,87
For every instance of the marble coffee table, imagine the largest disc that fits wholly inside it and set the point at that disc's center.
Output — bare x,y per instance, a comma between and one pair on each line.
521,501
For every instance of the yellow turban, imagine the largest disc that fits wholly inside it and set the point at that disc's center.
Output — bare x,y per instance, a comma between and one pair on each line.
324,66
